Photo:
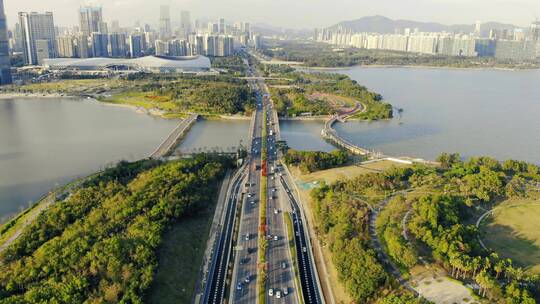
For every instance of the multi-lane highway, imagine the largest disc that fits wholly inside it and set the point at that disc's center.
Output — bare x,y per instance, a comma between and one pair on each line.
281,286
217,276
306,267
244,279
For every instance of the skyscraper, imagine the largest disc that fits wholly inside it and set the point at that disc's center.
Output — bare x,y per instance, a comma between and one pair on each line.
100,44
66,47
90,19
535,31
5,64
222,29
185,21
117,42
165,22
478,29
37,27
135,46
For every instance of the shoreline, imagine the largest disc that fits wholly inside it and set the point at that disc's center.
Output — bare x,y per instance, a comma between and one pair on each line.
155,112
395,66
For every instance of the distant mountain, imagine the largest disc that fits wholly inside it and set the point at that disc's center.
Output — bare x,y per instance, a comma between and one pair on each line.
270,30
384,25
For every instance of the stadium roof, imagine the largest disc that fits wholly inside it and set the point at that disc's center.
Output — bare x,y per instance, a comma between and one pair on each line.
153,64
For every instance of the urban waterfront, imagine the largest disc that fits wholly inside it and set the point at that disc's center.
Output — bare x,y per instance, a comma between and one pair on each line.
472,112
49,142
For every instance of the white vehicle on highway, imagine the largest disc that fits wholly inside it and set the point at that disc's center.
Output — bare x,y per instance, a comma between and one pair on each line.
247,237
278,294
271,292
276,238
276,211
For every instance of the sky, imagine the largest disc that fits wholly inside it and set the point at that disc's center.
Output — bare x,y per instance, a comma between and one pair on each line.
297,14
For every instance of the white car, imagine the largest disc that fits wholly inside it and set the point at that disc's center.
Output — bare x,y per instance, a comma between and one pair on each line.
278,294
276,211
271,292
276,238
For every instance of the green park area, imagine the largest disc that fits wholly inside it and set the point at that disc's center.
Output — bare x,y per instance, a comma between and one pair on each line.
513,231
119,237
169,95
297,93
424,224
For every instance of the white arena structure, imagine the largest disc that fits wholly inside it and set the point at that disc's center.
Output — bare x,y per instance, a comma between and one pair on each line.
148,64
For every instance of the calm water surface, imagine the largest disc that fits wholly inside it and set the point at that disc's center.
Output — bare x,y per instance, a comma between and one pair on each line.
216,135
473,112
304,135
48,142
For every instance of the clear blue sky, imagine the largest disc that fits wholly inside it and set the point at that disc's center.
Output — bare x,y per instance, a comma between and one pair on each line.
293,13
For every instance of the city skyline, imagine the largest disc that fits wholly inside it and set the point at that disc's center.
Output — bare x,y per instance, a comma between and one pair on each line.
302,14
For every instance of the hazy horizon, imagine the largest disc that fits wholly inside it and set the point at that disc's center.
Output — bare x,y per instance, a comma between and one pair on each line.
302,14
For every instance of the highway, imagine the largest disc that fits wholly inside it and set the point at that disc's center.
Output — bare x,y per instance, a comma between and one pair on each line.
217,276
244,279
280,265
280,274
308,275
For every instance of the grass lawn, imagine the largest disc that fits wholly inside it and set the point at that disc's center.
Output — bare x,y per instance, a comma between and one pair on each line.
144,100
180,259
332,175
513,231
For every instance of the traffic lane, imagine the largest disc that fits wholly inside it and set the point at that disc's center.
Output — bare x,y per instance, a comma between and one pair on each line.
220,260
304,263
283,278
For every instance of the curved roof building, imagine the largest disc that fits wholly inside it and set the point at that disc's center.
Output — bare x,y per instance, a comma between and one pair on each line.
148,64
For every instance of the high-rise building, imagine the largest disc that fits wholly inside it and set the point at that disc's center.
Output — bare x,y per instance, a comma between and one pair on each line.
43,50
165,22
222,29
90,18
17,35
5,64
103,27
115,26
210,45
135,46
150,40
535,31
485,47
100,45
478,29
185,22
161,47
224,46
178,47
213,28
515,50
36,27
66,47
118,46
83,47
246,27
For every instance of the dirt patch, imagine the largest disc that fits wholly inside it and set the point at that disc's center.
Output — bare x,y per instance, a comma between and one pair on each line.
339,103
433,284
